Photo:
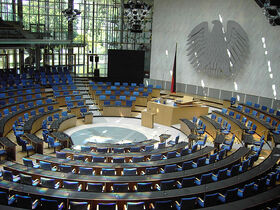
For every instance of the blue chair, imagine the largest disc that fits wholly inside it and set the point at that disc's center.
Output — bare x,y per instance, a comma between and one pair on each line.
81,103
72,185
53,143
149,148
229,196
222,174
118,150
64,114
144,187
193,149
271,111
247,110
277,131
135,205
118,159
102,150
6,112
254,113
202,130
8,176
186,165
65,169
187,182
152,170
212,158
107,206
248,190
95,187
29,163
27,179
46,166
5,199
41,110
172,154
261,116
234,170
56,116
25,202
194,120
252,130
74,205
21,106
244,166
83,110
200,162
224,110
169,168
50,108
85,171
13,108
98,159
108,172
231,113
79,157
120,187
257,106
264,108
244,120
213,116
26,147
30,104
167,185
60,155
204,179
174,142
135,149
129,172
49,183
162,145
249,103
209,200
48,101
187,203
267,120
165,204
201,143
69,106
138,159
227,130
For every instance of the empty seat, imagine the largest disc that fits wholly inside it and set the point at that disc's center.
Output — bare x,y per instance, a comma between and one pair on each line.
95,187
78,205
129,172
144,187
120,187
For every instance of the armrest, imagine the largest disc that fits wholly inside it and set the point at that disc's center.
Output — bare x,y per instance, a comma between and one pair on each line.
161,169
221,195
60,205
240,191
57,185
35,202
179,166
142,173
157,187
197,179
214,175
11,197
177,203
73,170
111,188
179,183
69,157
80,187
152,206
35,182
200,200
134,188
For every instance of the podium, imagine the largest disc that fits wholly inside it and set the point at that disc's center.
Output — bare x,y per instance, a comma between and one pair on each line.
147,119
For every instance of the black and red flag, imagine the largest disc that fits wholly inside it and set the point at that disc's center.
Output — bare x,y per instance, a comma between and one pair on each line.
173,82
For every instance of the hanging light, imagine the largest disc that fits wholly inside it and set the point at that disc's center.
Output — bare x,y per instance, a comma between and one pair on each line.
136,12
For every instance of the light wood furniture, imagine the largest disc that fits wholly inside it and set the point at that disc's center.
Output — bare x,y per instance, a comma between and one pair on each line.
121,111
147,119
88,117
168,115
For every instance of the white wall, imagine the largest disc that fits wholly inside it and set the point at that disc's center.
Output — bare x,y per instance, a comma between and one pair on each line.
174,19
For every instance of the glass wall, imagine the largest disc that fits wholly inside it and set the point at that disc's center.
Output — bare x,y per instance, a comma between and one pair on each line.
100,26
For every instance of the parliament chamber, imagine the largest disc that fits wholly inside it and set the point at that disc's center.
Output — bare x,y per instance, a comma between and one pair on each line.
129,104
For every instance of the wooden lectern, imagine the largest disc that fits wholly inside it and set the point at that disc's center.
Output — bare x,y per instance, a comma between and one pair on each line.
147,119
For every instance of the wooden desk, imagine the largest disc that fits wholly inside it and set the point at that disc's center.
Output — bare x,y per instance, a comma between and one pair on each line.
36,142
212,127
120,111
63,138
187,127
10,147
263,128
6,123
64,123
147,119
35,123
237,127
169,115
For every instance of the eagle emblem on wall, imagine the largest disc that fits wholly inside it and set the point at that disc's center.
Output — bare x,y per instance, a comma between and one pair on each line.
218,52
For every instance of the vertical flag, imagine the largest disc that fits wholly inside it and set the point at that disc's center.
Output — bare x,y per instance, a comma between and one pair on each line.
173,82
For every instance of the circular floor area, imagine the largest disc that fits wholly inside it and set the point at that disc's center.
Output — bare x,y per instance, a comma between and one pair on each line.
118,130
106,134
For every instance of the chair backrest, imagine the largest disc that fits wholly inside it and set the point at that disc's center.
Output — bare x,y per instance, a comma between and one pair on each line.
194,148
161,145
129,172
188,182
48,204
170,168
7,175
149,148
118,159
108,172
107,206
94,187
261,116
152,170
231,195
25,179
78,205
120,187
187,165
249,103
257,106
3,198
85,171
102,150
138,159
211,199
212,158
98,159
264,108
46,182
165,204
70,185
135,149
65,168
213,116
135,206
144,187
45,165
206,178
118,150
23,201
156,157
167,185
194,119
27,162
188,203
171,154
234,170
248,189
201,161
61,155
254,113
222,174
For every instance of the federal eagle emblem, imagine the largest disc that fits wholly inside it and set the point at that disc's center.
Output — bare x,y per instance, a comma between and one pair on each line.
218,52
